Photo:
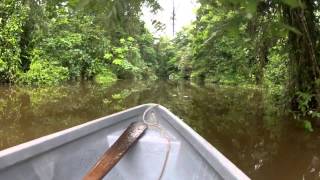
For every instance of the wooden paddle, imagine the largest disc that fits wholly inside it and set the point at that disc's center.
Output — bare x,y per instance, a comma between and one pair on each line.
113,155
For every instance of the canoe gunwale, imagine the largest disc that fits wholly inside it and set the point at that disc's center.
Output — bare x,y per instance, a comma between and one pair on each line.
224,167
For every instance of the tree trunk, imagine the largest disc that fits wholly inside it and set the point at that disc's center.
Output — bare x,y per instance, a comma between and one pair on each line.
262,43
303,59
262,59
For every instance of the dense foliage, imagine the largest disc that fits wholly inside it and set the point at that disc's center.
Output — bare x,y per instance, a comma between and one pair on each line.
273,44
47,42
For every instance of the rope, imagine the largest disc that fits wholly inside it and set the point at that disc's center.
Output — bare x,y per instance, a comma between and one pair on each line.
163,133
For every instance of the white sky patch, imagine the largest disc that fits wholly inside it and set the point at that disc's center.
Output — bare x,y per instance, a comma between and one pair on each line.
185,14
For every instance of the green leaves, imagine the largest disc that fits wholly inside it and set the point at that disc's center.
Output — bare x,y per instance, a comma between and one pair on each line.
83,37
44,73
293,3
126,58
108,56
304,99
105,77
307,126
290,28
3,66
124,64
13,14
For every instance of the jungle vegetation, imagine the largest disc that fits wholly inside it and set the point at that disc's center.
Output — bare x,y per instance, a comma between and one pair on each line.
272,44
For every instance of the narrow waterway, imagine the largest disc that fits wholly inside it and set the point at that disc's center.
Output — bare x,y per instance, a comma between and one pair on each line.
239,122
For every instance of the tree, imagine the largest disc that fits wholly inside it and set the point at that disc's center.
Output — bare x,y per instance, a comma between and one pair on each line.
268,23
304,59
47,42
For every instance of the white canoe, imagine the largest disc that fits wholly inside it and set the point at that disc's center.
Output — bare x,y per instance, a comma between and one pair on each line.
69,154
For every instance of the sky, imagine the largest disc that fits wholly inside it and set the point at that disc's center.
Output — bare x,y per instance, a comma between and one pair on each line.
185,13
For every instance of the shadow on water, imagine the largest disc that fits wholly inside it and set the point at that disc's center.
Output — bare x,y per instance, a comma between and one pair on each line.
237,121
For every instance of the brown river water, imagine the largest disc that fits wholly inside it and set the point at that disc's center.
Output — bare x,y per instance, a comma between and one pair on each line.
239,122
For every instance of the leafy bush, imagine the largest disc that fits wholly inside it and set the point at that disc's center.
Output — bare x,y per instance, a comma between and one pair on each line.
44,73
126,59
105,77
12,18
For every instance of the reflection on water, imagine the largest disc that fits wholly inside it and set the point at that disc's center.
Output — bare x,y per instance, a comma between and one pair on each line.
237,121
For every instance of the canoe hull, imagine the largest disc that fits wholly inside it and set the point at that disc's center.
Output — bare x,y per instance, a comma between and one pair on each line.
69,154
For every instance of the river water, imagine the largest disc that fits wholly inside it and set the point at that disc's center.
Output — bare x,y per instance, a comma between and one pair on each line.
239,122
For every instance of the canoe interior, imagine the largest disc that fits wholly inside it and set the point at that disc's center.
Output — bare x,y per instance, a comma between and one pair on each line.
71,153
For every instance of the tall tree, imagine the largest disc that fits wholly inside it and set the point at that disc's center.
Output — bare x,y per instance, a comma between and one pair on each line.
304,69
299,19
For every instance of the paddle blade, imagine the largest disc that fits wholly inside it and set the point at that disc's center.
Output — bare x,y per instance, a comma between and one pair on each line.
113,155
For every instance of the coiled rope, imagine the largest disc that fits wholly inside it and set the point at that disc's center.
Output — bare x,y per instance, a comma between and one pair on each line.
163,133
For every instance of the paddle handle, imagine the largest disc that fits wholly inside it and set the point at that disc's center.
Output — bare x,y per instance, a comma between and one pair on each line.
113,155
